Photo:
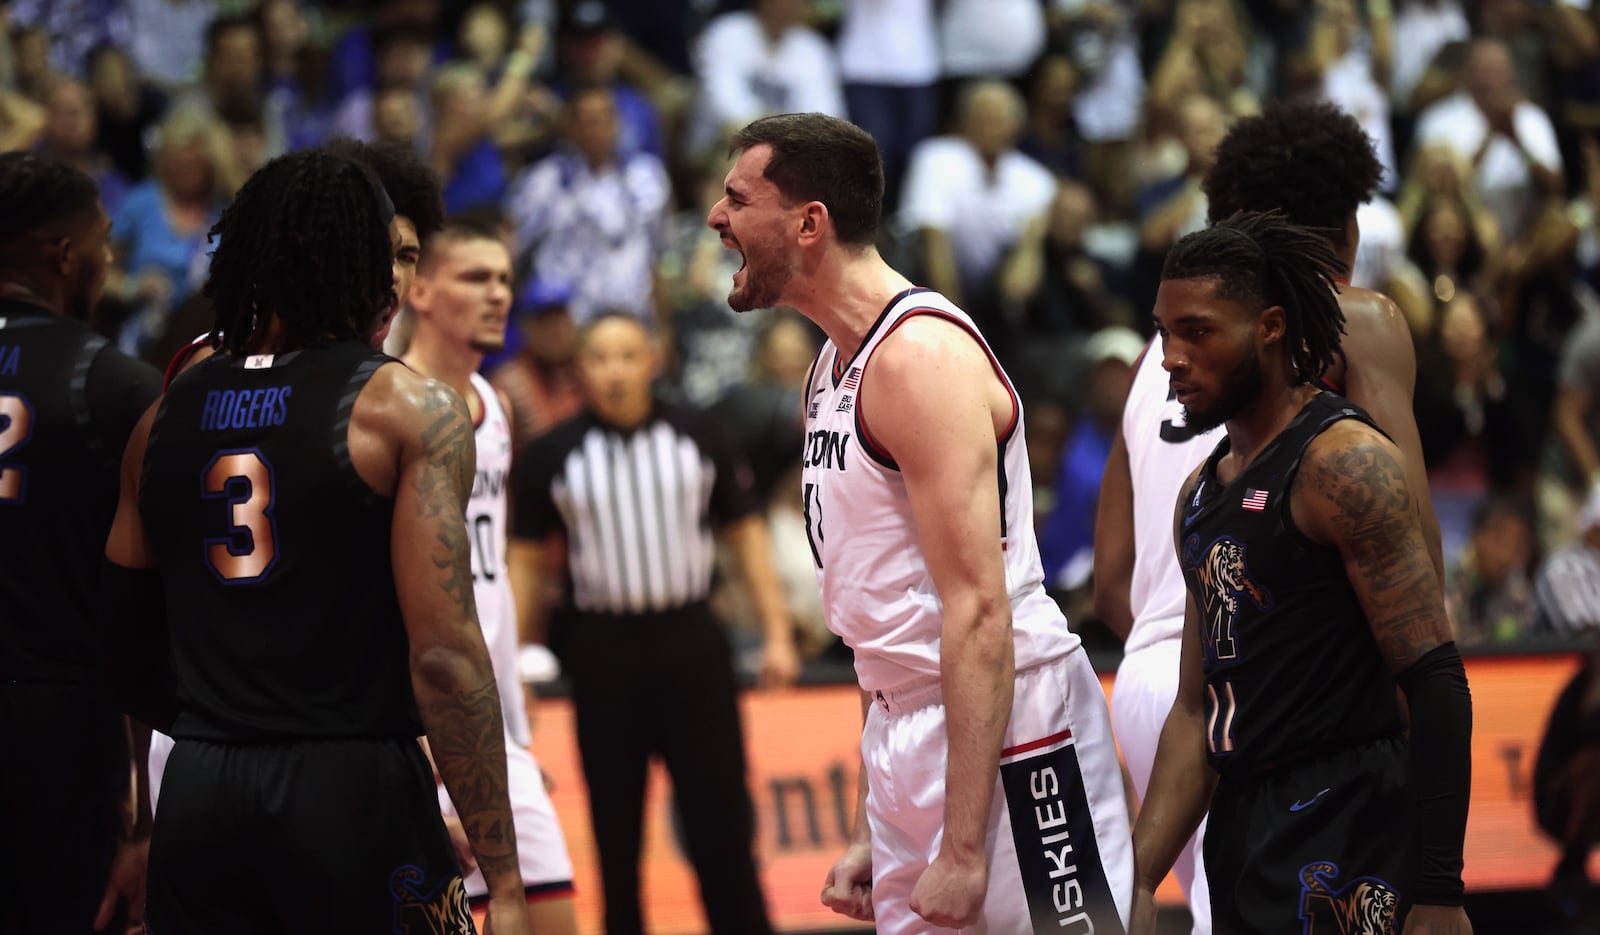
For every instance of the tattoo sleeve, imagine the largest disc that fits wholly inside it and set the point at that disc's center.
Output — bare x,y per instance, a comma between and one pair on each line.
454,682
1377,527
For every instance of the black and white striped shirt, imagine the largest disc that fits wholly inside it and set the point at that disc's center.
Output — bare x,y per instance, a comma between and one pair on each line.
637,508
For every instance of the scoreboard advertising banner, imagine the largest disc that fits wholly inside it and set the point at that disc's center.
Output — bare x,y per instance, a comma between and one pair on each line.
802,747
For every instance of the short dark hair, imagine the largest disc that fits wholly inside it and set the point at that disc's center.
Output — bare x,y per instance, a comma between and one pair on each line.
1261,260
305,241
40,192
412,184
479,224
224,24
1312,161
816,157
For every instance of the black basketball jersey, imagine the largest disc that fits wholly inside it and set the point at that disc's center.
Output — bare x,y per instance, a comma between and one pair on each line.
1292,668
275,553
68,402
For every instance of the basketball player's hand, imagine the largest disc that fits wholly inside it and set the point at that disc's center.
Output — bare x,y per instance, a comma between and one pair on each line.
126,884
848,889
1142,918
780,664
950,892
508,915
1437,920
458,840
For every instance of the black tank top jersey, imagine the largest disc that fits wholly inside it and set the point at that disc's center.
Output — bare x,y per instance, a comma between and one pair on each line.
1292,668
275,553
68,402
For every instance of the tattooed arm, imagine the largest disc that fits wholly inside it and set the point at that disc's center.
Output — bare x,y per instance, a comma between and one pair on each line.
450,670
1352,493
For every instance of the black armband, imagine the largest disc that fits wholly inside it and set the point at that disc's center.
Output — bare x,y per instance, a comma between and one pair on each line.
136,654
1441,770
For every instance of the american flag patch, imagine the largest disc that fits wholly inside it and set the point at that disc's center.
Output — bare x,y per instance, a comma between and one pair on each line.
1254,500
853,379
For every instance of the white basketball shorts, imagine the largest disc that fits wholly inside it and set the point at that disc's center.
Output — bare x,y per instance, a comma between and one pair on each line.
1147,683
1060,853
541,845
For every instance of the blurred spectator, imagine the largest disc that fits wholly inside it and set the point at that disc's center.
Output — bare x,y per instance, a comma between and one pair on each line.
294,73
1449,253
161,228
1421,29
1066,543
1077,295
234,78
889,60
1346,63
517,112
1509,140
1577,408
1206,55
980,208
1546,41
402,52
1566,592
168,38
1487,591
592,218
592,50
396,115
74,29
1176,206
70,132
1108,93
989,38
542,379
1466,417
357,55
128,109
30,51
1051,137
759,62
461,151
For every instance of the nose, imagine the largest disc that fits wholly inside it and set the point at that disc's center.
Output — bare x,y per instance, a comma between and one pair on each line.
1172,357
717,220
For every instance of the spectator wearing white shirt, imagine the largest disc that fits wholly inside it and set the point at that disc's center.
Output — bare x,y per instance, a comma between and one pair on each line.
889,61
760,62
590,217
991,37
1421,29
980,207
1509,140
1566,592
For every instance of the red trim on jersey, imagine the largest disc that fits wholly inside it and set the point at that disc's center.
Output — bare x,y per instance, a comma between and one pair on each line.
1036,744
1137,361
175,366
483,406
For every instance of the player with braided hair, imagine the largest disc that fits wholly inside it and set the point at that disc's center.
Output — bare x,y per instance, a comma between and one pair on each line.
270,491
1311,597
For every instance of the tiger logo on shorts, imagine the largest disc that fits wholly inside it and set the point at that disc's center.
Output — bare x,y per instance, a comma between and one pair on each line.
445,911
1365,906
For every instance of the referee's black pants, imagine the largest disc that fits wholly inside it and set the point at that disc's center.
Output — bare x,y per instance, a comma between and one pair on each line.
663,684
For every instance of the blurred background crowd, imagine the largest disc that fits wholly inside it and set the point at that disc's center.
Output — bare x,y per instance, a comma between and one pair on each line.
1041,157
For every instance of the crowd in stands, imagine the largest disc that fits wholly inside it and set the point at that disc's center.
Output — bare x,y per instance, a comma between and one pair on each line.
1041,156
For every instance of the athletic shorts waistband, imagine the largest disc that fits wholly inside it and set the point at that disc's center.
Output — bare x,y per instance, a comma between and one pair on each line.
918,695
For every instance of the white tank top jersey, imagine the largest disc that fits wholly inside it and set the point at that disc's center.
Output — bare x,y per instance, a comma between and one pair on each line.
876,590
491,587
1162,452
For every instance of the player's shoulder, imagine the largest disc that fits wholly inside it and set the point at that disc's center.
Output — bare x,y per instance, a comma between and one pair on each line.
401,400
1348,447
1371,315
928,346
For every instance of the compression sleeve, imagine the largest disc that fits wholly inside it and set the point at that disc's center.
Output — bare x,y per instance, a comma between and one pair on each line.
1441,770
136,660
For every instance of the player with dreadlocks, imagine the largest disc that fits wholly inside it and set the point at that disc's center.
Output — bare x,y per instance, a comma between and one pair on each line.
310,493
1314,163
1311,595
418,212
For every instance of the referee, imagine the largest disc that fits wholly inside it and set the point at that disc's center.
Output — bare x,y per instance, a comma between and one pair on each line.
620,502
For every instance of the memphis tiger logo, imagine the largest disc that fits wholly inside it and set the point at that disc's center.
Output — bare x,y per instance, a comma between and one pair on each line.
1364,906
443,911
1224,578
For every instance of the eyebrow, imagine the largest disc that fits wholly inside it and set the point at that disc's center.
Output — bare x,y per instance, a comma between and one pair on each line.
733,192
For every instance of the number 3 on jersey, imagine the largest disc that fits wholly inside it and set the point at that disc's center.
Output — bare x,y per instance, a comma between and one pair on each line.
250,548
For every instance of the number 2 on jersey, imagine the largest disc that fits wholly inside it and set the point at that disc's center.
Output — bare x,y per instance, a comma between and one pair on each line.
16,428
250,548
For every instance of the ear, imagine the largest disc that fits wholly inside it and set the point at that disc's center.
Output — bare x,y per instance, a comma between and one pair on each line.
421,295
814,220
63,254
1271,325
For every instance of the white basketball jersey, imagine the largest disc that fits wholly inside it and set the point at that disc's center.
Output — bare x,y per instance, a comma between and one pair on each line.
1162,452
491,586
876,589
